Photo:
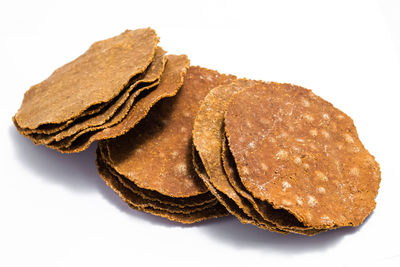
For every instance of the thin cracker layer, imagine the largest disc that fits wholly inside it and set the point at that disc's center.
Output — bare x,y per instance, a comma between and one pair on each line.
137,202
194,201
95,77
170,83
207,136
156,154
299,153
142,198
280,218
148,79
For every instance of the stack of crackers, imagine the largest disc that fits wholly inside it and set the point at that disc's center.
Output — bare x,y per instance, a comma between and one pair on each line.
101,94
189,144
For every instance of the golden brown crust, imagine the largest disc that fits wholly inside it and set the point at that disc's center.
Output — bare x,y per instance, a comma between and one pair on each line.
228,203
141,198
156,154
212,213
136,201
207,136
299,153
154,195
114,111
171,81
95,77
280,218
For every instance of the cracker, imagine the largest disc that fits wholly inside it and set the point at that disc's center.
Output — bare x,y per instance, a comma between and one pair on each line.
95,77
207,138
229,204
156,154
171,81
208,134
281,219
214,212
57,127
118,117
137,202
194,201
148,79
143,199
297,152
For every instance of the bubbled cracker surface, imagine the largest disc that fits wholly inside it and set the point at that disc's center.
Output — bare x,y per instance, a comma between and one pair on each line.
299,153
273,220
207,136
156,154
95,77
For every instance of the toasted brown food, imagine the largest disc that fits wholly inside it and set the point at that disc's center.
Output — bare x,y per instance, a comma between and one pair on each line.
94,78
194,201
298,153
280,218
170,82
156,154
207,136
97,120
229,204
136,201
215,212
143,195
50,129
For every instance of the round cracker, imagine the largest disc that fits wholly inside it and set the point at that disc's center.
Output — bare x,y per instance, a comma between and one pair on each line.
137,202
299,153
156,154
194,201
116,109
95,77
280,218
140,198
170,82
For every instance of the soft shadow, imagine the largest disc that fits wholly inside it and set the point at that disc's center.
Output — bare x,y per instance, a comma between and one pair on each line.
244,236
76,172
116,201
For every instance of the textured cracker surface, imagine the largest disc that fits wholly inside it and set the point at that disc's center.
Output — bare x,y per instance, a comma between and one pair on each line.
151,194
121,103
136,201
156,154
170,82
208,138
95,77
299,153
281,220
142,196
207,135
229,204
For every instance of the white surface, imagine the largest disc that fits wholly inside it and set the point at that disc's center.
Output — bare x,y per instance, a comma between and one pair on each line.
56,211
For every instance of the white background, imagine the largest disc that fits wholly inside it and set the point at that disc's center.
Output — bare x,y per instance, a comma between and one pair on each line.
56,211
